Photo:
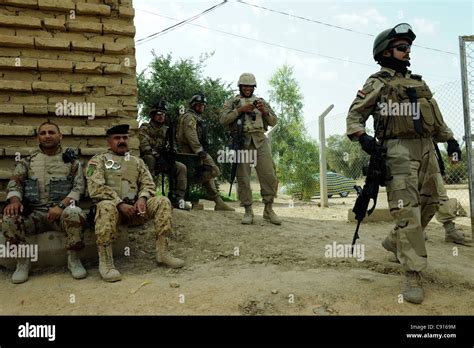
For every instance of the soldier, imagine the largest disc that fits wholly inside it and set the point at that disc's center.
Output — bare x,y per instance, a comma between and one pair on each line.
124,190
190,139
413,171
257,115
153,147
42,194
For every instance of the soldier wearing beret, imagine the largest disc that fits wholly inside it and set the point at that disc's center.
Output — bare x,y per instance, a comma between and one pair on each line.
123,189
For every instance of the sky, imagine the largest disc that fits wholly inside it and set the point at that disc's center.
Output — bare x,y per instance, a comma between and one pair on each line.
335,62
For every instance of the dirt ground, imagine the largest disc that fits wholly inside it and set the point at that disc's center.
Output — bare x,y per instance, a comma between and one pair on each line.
232,269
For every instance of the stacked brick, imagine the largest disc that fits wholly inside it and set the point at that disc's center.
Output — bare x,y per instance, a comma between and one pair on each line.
64,52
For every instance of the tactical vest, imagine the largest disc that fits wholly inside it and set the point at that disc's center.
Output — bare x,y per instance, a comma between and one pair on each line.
182,143
157,135
122,175
397,110
49,180
253,121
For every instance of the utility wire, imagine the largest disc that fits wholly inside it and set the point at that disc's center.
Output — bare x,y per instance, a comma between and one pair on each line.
177,25
265,42
344,60
331,25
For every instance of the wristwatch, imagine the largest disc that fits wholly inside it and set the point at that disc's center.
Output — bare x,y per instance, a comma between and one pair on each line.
61,205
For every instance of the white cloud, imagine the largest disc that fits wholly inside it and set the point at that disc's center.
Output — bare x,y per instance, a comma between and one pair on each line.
362,18
425,26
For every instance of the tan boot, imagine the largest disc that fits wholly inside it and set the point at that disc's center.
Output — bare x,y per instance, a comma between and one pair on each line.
413,291
22,270
106,264
454,235
269,214
75,266
248,216
220,205
163,257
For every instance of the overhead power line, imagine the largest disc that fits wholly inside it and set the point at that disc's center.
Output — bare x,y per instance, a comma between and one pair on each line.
177,25
344,60
287,14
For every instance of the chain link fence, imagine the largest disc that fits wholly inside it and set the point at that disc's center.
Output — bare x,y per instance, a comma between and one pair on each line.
466,47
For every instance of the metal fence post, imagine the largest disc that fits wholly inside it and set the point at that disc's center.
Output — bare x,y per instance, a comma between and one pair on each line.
323,185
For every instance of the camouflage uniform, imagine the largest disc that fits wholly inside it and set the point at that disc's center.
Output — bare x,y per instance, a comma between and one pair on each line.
153,137
41,181
254,140
189,135
125,181
413,191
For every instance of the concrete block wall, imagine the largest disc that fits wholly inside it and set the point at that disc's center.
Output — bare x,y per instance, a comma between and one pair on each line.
64,51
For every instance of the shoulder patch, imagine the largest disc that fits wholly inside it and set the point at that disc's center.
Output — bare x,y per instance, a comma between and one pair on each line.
192,122
361,94
90,169
416,77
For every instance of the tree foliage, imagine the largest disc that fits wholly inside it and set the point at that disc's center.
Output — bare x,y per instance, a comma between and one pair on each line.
295,154
176,82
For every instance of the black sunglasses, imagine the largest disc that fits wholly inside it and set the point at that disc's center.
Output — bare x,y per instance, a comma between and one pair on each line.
402,47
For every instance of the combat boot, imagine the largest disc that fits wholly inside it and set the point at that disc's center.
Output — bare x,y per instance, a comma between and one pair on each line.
413,291
22,269
180,202
106,264
454,235
220,205
75,266
269,214
248,216
163,257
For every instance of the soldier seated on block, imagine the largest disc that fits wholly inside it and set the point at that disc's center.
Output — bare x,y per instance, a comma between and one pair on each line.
43,194
124,191
158,152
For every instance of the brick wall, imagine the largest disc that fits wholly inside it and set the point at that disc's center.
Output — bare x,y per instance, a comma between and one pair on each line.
52,51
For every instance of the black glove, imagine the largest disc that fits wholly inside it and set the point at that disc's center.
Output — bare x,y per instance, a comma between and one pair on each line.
202,155
453,147
367,142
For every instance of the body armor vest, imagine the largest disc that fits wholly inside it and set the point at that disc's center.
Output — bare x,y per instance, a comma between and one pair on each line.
122,175
404,102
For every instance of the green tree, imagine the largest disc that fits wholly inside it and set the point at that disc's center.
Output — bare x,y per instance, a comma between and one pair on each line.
176,82
345,157
296,155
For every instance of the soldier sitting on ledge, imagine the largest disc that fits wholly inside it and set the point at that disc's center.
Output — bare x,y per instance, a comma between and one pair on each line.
43,194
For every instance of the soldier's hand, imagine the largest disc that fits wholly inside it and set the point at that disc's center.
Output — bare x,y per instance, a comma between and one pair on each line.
126,210
140,206
367,143
13,209
54,213
261,106
246,108
202,155
454,151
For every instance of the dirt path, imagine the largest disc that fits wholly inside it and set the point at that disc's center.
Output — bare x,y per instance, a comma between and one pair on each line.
278,270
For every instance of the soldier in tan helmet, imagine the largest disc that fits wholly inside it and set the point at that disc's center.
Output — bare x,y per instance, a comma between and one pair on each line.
123,189
256,115
190,138
407,136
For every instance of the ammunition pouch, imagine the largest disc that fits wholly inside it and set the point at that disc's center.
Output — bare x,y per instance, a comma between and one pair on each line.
31,194
59,188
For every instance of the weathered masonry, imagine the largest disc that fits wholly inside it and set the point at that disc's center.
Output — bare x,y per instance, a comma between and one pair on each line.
68,61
